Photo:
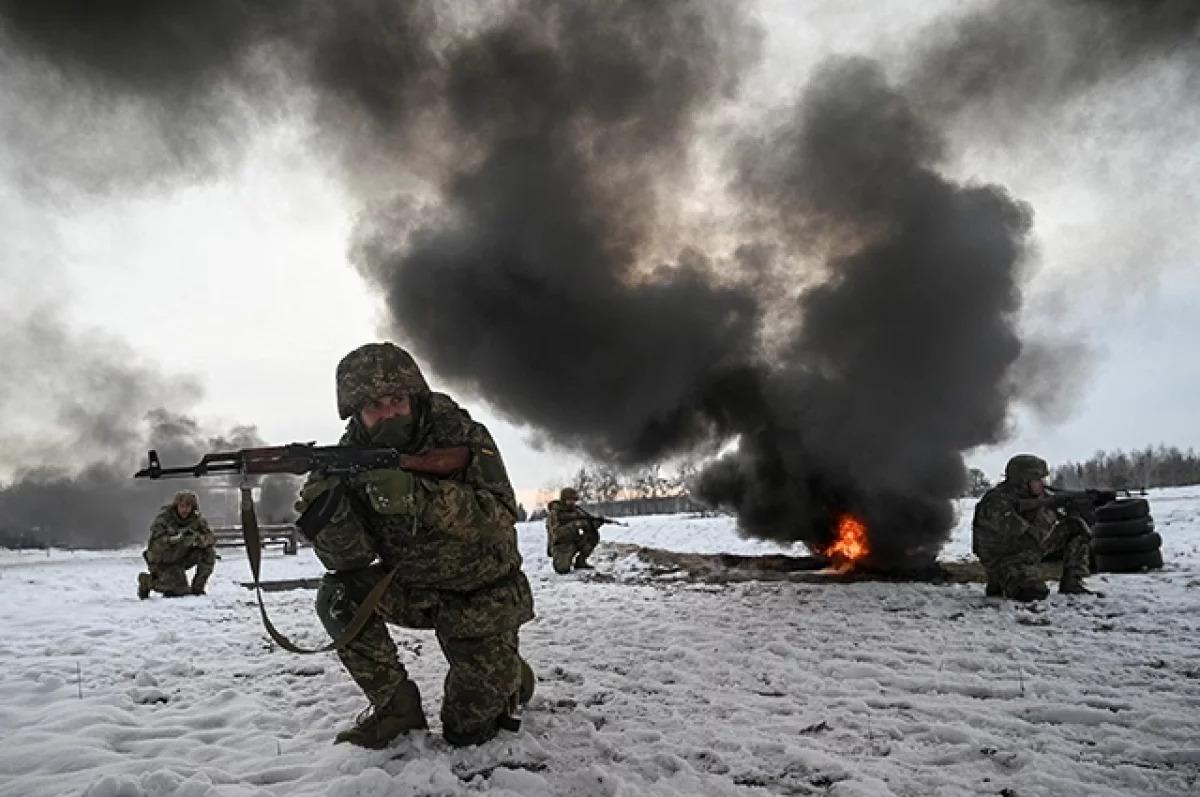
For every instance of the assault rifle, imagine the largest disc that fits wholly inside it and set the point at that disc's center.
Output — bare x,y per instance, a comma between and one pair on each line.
1076,503
600,520
298,459
301,458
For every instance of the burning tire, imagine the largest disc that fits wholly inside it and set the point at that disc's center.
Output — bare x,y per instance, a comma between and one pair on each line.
1130,562
1119,546
1123,509
1123,528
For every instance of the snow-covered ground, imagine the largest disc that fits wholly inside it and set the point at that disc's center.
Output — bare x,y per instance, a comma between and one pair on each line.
660,688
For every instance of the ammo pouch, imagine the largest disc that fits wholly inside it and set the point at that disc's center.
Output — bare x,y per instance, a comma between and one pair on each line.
389,490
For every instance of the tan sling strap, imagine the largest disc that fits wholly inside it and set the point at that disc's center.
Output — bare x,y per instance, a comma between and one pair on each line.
253,540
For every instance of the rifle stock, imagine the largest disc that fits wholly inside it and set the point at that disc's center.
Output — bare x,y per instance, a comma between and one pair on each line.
442,462
601,520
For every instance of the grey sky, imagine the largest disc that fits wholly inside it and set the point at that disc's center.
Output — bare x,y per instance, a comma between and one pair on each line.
243,281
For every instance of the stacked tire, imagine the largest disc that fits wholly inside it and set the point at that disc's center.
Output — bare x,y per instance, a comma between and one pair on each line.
1124,539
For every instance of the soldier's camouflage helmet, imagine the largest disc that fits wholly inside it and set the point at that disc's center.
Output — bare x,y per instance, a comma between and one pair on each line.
186,497
568,494
373,371
1025,468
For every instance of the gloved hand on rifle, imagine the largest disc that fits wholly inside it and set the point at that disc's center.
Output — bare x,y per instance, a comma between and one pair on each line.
193,539
1059,500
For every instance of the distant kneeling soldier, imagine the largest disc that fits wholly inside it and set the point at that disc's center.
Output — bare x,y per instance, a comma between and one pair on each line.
179,539
1015,529
572,534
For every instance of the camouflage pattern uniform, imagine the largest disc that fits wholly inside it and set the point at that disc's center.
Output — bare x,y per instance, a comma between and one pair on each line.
453,546
572,533
1011,543
177,544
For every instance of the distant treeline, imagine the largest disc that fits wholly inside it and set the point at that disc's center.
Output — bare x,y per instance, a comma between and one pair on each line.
603,483
1150,467
1162,466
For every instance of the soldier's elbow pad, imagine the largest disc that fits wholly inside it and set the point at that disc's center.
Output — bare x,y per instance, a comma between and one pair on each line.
344,545
338,537
321,507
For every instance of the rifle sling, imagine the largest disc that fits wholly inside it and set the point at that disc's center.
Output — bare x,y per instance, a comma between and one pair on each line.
253,541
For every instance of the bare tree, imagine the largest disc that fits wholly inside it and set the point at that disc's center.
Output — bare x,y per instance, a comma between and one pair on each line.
608,484
584,483
649,482
977,483
685,473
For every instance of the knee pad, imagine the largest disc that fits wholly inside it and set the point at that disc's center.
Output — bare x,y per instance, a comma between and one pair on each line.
335,607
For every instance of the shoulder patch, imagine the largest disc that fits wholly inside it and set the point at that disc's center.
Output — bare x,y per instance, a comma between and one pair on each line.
491,467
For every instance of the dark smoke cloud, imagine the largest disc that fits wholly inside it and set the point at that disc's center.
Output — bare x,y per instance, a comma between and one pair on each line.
92,413
1020,58
529,286
166,93
158,91
900,359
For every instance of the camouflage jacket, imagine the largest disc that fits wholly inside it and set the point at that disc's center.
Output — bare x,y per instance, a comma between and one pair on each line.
999,528
461,536
561,516
172,537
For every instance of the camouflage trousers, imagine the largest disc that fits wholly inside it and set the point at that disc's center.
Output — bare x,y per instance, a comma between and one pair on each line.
1013,572
477,632
572,544
172,581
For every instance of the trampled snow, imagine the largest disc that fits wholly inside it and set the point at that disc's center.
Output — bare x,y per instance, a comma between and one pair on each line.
646,686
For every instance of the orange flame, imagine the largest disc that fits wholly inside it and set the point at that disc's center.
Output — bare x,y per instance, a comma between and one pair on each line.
851,545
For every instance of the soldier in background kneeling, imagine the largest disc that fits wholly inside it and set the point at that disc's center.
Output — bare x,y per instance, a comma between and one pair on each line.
572,534
180,539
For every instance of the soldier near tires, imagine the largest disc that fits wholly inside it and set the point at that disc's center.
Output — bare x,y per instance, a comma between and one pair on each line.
447,546
1016,527
180,539
571,533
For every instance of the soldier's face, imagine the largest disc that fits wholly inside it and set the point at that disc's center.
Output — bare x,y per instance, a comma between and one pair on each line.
1037,486
384,408
184,510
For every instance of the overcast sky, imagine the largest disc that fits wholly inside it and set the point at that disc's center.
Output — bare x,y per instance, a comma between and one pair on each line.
243,281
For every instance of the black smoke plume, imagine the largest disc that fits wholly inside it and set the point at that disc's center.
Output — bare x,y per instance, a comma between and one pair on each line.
526,170
537,283
900,357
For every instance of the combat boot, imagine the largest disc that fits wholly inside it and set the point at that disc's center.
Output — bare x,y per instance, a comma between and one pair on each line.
376,727
582,564
145,581
1073,586
1029,592
198,586
993,589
